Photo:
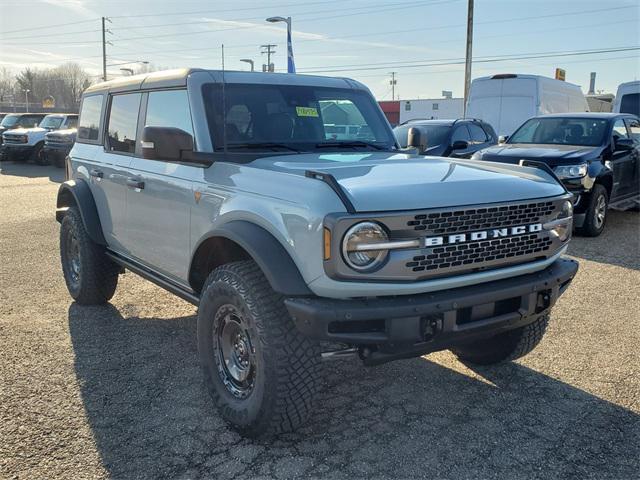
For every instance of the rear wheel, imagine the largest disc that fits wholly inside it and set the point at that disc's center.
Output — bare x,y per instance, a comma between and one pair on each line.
596,214
261,372
506,346
90,275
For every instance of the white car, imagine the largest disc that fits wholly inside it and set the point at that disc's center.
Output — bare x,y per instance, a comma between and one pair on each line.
23,143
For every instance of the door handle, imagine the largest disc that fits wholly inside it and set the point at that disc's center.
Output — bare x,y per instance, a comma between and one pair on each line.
135,182
96,173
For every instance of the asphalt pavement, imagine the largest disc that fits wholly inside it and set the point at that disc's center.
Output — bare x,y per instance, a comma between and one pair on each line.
115,391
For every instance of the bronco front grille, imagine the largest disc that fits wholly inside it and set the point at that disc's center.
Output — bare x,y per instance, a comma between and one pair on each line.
13,139
57,142
479,252
481,218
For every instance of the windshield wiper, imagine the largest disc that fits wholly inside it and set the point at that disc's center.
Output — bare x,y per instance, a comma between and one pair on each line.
271,145
349,143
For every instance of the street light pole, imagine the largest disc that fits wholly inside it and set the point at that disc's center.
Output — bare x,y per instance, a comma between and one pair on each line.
467,63
249,61
291,66
26,99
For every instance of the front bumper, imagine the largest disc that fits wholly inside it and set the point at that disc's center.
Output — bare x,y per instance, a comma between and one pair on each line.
52,152
16,150
427,322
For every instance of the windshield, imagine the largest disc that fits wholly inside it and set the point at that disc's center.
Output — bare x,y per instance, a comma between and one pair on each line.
9,120
436,134
630,103
294,118
588,132
51,122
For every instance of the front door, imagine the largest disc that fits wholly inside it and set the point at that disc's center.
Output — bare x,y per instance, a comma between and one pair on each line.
461,133
159,208
623,161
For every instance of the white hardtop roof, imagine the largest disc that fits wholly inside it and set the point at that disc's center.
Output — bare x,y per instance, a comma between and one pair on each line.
178,78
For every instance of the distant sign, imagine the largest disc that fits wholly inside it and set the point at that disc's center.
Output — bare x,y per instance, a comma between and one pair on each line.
560,74
48,102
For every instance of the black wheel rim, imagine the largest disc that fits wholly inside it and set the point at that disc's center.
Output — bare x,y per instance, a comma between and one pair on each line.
72,253
234,352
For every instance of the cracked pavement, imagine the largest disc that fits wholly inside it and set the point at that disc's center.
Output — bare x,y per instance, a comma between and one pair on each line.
116,391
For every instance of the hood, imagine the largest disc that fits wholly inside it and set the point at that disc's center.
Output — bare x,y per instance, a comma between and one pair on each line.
26,131
551,154
386,181
67,132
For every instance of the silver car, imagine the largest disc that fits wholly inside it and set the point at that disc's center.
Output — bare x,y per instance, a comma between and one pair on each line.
232,191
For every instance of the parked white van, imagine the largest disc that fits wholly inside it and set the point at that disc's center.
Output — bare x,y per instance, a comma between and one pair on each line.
506,101
628,98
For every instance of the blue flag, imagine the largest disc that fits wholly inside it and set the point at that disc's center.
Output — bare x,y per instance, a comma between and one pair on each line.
291,66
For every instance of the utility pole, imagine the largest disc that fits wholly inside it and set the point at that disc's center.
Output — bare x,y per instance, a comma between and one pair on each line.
393,83
104,48
269,50
467,63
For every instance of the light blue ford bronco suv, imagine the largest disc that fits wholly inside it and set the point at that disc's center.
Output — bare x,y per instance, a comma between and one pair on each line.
233,191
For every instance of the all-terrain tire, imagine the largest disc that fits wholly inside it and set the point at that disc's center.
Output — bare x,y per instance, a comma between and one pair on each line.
506,346
38,155
90,275
593,226
287,364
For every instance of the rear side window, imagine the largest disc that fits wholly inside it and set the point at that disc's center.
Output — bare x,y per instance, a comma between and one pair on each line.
89,124
630,103
123,123
169,109
478,135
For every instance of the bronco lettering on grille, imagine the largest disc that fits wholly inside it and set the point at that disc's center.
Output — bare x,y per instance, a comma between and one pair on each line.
482,235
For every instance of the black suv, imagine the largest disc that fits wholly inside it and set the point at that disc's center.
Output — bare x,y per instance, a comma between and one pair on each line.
447,138
596,155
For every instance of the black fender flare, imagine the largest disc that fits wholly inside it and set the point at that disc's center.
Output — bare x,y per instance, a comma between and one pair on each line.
77,192
272,258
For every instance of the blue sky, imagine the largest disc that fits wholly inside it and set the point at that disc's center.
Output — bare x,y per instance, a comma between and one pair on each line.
362,39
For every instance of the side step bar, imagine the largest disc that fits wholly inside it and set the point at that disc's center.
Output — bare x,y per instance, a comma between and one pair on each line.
186,294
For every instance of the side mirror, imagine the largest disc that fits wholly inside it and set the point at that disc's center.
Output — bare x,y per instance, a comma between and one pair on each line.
623,144
165,143
503,139
417,139
460,145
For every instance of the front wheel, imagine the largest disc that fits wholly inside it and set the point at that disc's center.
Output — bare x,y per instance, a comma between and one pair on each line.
506,346
38,155
261,372
596,214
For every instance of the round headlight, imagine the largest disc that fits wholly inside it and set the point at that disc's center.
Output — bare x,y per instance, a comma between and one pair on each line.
567,210
563,223
358,244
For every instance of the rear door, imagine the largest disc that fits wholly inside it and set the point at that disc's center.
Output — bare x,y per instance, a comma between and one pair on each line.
479,138
110,173
158,212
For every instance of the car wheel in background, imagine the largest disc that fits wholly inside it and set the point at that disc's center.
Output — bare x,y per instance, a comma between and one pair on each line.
596,214
38,155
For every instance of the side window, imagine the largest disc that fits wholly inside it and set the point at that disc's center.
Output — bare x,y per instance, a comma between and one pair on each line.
460,133
620,129
89,123
123,122
634,128
29,121
478,135
169,108
72,122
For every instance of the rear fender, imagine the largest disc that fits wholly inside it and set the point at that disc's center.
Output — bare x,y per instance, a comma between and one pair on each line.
76,193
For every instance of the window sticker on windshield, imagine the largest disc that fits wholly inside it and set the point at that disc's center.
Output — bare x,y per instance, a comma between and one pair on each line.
306,112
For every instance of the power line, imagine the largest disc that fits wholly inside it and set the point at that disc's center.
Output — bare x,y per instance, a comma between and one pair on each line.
50,26
496,58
